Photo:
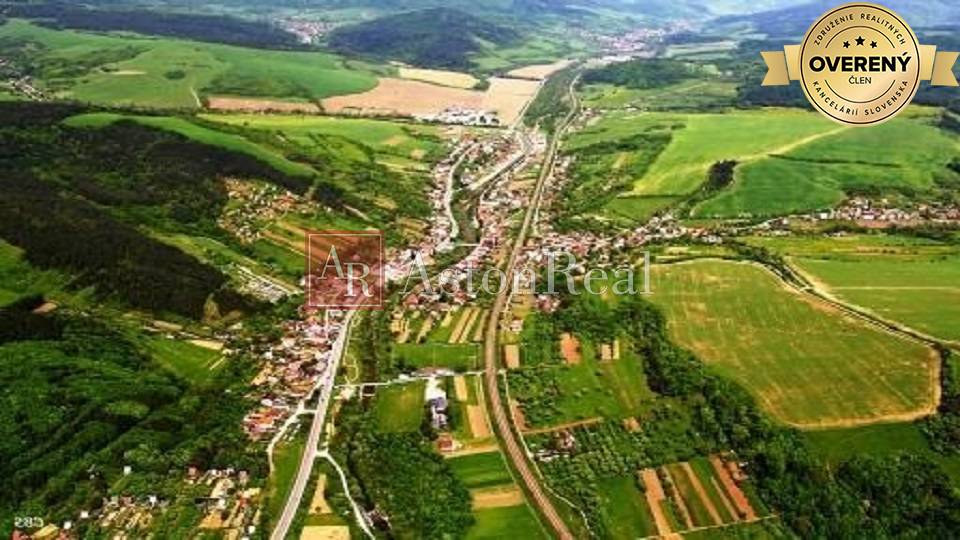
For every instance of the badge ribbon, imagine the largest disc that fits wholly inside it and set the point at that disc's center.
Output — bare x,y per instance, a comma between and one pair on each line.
935,66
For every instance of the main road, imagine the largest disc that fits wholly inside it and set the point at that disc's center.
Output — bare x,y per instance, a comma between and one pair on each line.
325,386
513,448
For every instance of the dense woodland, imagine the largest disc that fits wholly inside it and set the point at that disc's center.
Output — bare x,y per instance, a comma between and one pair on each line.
65,190
642,74
436,38
212,28
401,475
82,401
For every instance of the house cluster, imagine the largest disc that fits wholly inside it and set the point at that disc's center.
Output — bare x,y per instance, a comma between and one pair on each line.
563,443
230,507
494,211
883,213
290,369
496,157
254,205
307,32
259,286
462,116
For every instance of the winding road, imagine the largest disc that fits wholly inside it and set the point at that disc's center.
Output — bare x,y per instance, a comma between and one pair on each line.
508,437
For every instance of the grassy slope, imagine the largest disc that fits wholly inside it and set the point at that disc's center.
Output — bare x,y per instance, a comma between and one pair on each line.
838,445
624,509
806,363
912,281
905,152
708,138
199,134
207,68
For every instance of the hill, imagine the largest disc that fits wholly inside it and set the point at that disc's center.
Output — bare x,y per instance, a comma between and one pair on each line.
795,20
211,28
437,38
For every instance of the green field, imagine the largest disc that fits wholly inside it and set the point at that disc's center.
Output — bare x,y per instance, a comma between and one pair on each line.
286,459
506,523
838,445
481,470
18,278
695,94
399,407
155,72
405,141
624,509
458,357
186,360
556,394
705,139
906,153
197,133
912,281
807,363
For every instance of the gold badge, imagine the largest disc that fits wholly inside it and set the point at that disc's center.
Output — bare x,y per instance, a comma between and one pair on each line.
860,64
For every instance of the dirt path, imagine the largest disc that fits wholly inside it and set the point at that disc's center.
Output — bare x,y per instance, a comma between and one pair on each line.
568,425
744,510
701,492
655,496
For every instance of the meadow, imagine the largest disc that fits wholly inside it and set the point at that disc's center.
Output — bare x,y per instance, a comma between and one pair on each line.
398,143
200,134
808,364
114,69
705,139
912,281
506,522
907,153
690,95
838,445
190,362
787,160
554,394
481,470
455,356
399,408
624,509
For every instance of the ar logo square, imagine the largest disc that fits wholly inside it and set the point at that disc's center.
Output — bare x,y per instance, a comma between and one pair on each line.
345,269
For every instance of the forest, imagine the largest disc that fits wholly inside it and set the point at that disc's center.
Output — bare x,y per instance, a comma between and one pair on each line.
211,28
433,38
97,186
401,475
83,400
641,74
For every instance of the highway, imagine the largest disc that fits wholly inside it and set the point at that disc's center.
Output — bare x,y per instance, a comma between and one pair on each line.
325,386
513,448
